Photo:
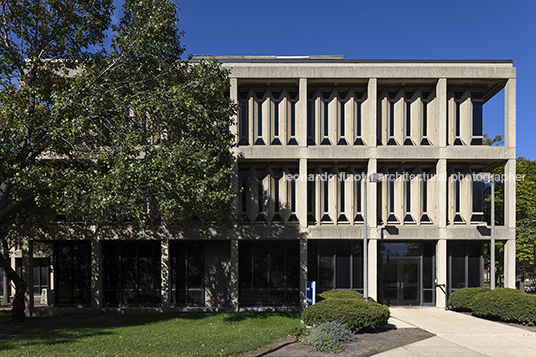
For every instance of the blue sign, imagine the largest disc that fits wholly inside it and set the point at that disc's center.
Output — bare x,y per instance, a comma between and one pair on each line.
310,293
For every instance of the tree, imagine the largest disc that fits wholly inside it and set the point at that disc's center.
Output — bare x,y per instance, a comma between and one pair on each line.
129,135
525,216
526,219
40,42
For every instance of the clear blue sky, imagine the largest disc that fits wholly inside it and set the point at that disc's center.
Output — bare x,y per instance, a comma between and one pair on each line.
402,29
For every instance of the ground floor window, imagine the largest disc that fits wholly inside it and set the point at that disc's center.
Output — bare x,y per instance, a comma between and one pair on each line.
465,265
335,265
131,273
40,275
187,273
269,273
72,273
406,273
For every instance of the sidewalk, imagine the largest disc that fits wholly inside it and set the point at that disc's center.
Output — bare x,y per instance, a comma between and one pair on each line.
461,335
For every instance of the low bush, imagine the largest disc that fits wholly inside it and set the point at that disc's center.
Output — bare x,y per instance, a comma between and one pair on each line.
507,305
340,294
327,336
461,300
358,315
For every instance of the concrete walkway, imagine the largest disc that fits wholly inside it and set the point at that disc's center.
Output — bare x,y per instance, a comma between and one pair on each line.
460,335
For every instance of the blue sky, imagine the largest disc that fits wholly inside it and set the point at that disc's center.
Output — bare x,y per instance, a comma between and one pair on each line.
403,29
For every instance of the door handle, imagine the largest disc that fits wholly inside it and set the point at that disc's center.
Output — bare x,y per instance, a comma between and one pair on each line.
402,285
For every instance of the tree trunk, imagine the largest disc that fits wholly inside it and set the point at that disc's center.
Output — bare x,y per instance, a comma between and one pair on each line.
17,313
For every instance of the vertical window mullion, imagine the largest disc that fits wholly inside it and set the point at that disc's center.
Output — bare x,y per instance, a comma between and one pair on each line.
326,119
276,119
408,119
343,195
259,119
326,196
358,115
425,193
343,131
392,119
457,195
457,119
334,267
425,119
408,195
293,119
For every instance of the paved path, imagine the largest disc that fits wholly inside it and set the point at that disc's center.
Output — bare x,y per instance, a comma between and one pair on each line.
460,335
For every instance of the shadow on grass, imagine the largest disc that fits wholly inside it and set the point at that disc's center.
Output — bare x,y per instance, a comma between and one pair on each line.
68,329
240,316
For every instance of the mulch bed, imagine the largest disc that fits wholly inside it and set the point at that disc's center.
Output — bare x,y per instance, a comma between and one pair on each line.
367,344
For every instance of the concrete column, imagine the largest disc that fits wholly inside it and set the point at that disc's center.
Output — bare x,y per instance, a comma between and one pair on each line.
441,115
14,266
234,275
251,119
234,185
510,196
372,198
97,291
27,274
5,293
371,138
303,271
440,200
441,272
301,194
301,114
372,218
510,264
510,113
510,223
373,268
234,97
165,277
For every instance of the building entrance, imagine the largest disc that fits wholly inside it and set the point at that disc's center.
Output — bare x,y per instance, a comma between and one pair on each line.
401,281
406,273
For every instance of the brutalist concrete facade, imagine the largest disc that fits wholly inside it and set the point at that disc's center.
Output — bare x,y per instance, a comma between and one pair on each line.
308,130
415,117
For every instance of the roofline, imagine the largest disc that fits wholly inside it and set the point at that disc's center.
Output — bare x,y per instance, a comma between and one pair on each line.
337,59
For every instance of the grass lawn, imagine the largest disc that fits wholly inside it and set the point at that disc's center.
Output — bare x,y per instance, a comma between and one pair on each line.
170,334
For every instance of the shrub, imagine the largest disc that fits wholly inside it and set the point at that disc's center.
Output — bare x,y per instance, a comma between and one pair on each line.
461,300
508,305
340,294
358,315
327,336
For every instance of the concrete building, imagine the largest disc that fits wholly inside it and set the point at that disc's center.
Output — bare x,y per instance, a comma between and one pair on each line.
309,129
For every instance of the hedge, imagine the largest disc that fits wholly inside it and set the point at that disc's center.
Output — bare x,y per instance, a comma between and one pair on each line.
461,300
340,294
358,315
507,305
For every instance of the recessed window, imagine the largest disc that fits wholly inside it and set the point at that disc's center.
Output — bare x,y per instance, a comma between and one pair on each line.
243,123
326,141
477,121
392,119
310,124
259,125
259,140
343,132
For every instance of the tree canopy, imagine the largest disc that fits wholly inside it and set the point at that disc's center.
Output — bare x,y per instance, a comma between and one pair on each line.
130,134
526,219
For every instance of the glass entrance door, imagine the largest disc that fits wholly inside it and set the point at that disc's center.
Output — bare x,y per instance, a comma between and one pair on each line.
401,281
